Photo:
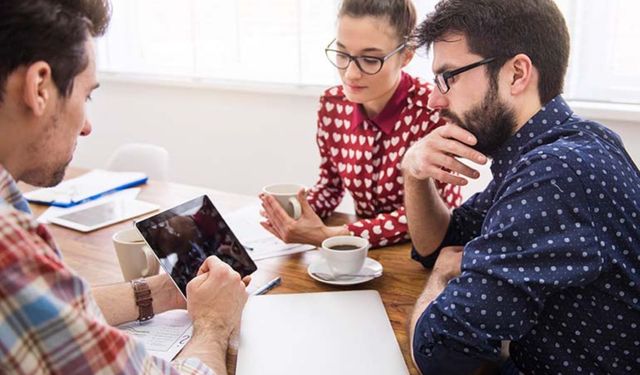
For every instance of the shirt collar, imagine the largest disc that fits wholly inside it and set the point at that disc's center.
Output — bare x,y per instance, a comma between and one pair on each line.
9,193
385,120
552,114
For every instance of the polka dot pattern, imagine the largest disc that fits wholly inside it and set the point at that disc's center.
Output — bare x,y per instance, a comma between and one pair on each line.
363,158
552,255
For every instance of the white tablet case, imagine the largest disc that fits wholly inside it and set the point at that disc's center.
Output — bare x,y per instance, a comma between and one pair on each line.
330,333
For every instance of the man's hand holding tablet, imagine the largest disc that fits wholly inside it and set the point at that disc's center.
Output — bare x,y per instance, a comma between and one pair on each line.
184,236
215,299
204,268
207,263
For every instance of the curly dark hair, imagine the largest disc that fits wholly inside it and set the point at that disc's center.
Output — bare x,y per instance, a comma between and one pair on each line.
503,29
54,31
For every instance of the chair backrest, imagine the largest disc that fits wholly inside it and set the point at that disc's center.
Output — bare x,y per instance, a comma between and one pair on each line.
141,157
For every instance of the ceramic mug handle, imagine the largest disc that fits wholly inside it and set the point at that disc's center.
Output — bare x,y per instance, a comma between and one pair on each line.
153,267
297,209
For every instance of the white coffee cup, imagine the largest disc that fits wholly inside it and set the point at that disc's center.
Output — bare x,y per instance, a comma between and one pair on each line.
135,257
345,255
287,197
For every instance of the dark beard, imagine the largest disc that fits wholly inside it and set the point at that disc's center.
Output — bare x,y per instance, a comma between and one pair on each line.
492,122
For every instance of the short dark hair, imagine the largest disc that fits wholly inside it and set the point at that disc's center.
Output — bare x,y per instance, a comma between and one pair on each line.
54,31
400,13
503,29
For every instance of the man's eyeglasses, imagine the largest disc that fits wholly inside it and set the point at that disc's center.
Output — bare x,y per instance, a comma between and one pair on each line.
442,79
367,64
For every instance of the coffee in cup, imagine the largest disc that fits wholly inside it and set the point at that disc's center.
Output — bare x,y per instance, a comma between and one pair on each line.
134,255
345,255
287,197
344,247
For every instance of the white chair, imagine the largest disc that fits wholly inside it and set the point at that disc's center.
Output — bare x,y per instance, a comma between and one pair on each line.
141,157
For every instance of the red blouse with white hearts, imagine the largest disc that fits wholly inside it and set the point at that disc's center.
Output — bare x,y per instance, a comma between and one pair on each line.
363,156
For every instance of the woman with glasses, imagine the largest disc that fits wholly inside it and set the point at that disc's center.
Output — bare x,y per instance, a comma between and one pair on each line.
365,126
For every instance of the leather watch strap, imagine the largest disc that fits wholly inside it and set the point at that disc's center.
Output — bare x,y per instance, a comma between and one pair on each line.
144,301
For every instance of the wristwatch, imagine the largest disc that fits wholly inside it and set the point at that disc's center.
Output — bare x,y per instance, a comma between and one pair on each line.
144,301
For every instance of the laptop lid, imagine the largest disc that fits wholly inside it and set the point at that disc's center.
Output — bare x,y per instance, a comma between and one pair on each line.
317,334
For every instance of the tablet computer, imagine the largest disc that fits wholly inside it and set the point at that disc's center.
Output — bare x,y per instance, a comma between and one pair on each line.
96,215
184,236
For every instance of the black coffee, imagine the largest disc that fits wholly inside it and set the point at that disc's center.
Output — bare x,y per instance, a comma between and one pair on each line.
344,247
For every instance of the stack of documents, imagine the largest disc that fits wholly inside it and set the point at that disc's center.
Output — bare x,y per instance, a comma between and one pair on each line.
87,187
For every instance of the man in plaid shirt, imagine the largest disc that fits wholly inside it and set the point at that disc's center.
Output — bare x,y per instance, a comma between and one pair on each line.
52,321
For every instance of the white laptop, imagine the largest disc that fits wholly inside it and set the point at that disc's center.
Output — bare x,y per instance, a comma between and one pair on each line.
318,334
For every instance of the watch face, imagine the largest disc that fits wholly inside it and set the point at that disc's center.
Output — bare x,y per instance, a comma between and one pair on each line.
184,236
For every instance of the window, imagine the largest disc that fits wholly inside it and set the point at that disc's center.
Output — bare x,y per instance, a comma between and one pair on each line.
276,41
279,41
282,41
605,56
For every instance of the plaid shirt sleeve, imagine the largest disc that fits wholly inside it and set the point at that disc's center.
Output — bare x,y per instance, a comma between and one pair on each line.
49,321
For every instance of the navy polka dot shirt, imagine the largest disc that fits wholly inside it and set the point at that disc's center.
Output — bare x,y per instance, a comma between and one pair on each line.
551,259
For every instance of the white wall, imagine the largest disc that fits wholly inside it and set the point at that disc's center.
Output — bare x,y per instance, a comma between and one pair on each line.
224,139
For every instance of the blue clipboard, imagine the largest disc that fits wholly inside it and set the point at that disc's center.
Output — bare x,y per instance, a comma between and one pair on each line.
91,186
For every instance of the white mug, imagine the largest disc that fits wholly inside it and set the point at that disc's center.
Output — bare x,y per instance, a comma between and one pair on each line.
135,257
345,255
287,197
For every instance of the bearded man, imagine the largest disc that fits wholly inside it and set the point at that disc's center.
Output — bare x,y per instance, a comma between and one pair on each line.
546,259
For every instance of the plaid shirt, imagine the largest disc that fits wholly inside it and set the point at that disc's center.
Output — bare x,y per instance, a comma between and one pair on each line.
49,321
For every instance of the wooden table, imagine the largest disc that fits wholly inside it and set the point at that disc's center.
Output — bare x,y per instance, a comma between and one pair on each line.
92,256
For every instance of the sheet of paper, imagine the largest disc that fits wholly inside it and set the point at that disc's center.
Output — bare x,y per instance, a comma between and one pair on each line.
164,335
57,211
273,247
260,244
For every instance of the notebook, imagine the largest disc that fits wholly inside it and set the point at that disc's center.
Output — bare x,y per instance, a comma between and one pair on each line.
317,334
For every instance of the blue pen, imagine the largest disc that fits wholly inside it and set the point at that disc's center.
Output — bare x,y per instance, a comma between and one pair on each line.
268,286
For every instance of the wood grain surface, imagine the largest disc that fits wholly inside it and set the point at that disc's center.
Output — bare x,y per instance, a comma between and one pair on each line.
93,257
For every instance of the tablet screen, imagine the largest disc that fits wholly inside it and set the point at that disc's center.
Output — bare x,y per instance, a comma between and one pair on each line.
100,214
184,236
96,215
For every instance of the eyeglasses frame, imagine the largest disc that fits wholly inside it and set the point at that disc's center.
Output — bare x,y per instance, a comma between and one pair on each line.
446,76
351,58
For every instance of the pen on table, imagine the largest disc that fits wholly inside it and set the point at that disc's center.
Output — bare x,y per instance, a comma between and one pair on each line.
268,286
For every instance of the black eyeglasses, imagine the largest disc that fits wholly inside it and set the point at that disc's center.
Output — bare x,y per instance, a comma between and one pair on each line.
367,64
442,79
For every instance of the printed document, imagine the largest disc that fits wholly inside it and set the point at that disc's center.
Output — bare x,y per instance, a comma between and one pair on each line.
260,244
164,335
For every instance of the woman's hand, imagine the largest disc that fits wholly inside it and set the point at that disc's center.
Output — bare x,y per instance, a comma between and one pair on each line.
308,229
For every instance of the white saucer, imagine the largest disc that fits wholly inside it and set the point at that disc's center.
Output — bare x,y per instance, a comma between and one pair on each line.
371,266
